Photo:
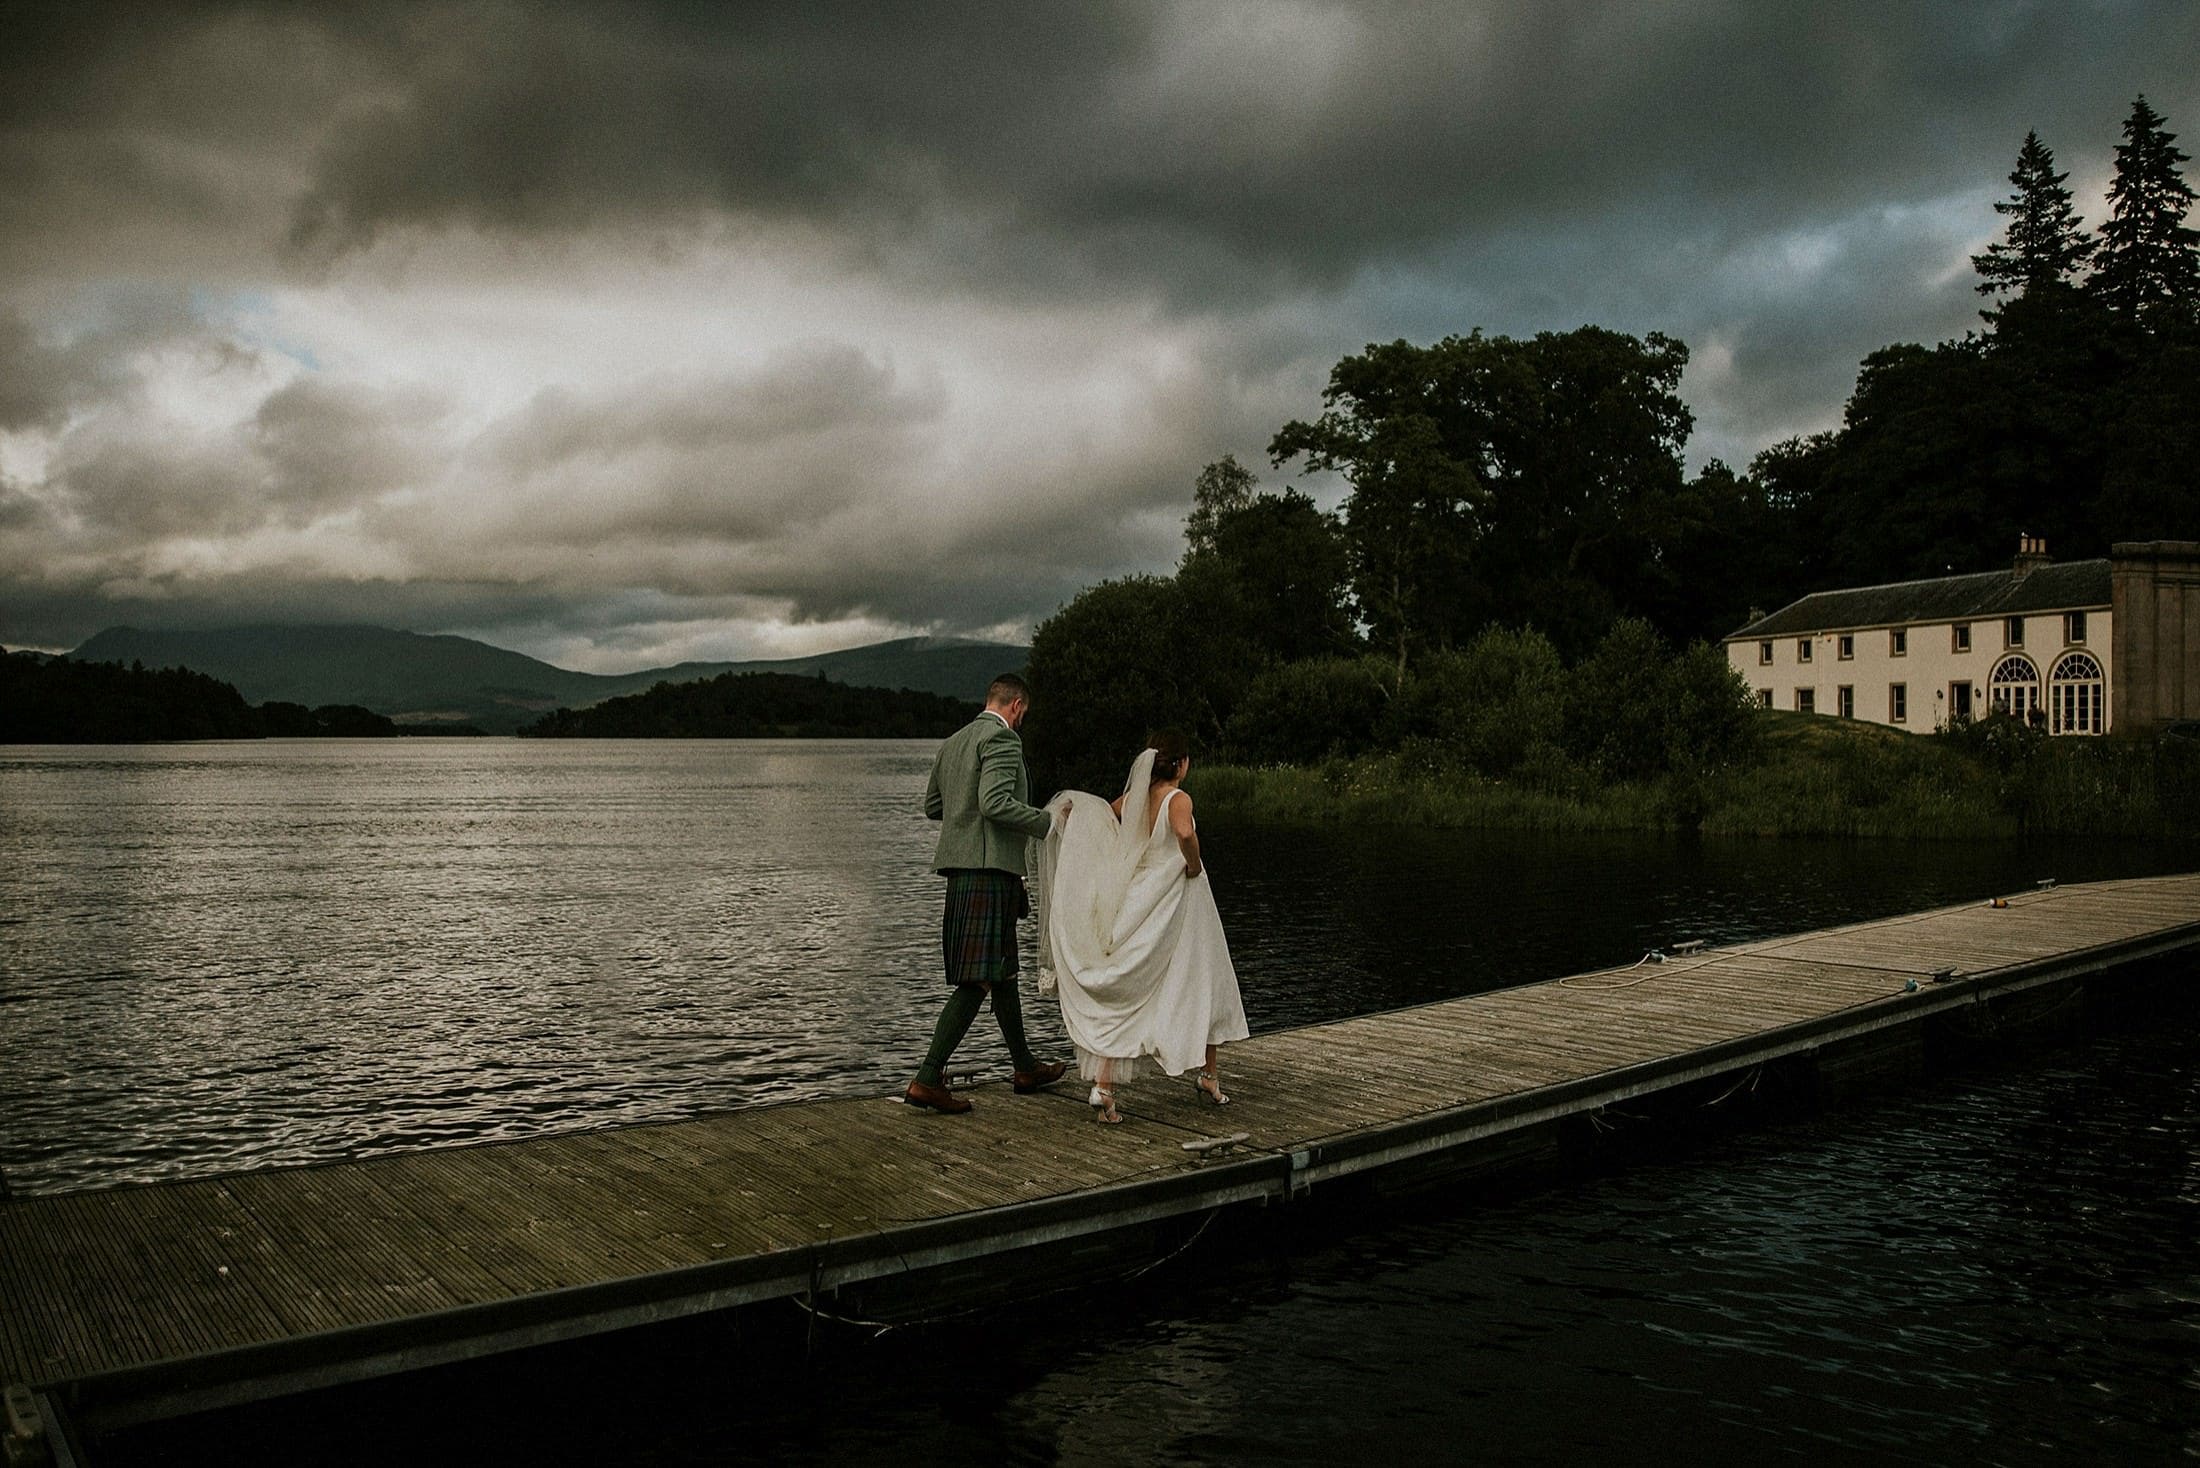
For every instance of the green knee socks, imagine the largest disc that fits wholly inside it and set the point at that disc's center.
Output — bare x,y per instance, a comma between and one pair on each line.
955,1020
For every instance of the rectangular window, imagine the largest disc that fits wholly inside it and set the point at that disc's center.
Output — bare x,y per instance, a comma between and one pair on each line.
1846,647
2073,626
1960,641
1844,701
1764,698
1806,700
2013,634
1898,703
1802,649
1764,654
1959,700
1898,643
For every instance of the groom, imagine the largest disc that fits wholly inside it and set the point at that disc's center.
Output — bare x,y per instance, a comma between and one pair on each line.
980,793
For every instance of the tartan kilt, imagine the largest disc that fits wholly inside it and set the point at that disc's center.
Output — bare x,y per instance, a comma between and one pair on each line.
978,933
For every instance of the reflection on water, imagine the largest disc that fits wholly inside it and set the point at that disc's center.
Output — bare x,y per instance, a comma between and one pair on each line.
227,955
222,956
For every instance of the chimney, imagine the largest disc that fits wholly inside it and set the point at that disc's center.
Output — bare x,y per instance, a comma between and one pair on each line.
2031,554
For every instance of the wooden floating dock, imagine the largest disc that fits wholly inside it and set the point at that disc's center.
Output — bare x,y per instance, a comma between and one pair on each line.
129,1304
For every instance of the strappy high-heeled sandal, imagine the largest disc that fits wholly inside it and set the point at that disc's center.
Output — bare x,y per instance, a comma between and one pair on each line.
1102,1101
1209,1086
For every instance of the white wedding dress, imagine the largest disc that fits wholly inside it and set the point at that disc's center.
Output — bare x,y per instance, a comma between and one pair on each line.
1134,951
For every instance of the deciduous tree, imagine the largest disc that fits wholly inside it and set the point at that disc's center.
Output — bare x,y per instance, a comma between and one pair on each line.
1268,586
1223,488
1105,670
1498,480
1395,428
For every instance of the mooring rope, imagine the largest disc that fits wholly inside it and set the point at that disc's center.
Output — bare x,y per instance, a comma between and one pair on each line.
1655,957
1662,965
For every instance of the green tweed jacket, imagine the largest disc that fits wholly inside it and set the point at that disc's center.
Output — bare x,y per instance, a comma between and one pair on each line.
980,794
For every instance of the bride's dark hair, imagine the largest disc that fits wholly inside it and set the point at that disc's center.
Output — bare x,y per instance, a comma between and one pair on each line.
1170,750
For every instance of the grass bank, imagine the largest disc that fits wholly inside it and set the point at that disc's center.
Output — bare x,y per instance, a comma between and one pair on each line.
1378,790
1804,776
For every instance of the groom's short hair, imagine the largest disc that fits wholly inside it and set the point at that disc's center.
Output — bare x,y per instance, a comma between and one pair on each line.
1007,689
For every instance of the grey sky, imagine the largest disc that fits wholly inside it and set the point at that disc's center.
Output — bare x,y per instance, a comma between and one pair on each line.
625,333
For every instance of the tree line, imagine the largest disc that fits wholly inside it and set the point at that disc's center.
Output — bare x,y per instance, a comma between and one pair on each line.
2073,413
63,701
1518,515
760,706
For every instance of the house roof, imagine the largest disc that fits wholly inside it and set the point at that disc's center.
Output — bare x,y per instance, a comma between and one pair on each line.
2067,586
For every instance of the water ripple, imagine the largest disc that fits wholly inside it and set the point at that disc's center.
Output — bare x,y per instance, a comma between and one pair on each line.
236,955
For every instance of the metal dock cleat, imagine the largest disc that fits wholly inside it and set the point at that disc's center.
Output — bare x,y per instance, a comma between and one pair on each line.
24,1440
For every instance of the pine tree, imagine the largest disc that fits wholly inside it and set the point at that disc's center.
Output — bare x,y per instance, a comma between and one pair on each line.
2044,244
2149,259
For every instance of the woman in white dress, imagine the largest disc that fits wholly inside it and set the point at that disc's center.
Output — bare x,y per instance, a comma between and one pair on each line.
1129,937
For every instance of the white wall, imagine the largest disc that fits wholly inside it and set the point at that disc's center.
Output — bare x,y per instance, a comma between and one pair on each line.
1927,670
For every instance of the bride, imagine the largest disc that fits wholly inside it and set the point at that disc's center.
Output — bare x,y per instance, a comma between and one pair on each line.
1129,936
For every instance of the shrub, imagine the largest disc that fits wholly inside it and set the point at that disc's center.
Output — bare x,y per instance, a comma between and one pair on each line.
1490,705
1635,709
1301,713
1710,719
1997,741
1616,719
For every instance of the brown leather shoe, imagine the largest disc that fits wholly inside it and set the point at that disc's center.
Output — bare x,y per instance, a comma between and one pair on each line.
1027,1081
938,1098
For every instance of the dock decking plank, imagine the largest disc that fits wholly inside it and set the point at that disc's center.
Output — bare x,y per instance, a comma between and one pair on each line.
248,1250
344,1230
53,1287
157,1258
472,1206
569,1215
688,1209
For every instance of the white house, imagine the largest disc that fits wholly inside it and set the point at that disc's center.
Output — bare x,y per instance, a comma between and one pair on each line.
2083,647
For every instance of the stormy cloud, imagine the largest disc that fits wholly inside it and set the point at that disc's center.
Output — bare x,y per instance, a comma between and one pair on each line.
613,330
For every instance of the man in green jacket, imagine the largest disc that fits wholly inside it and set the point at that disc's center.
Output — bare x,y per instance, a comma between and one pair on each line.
980,794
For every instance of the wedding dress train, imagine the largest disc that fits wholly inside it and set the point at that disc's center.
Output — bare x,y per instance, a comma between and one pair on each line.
1132,948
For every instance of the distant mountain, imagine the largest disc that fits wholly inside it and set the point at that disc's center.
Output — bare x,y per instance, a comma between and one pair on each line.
394,673
761,706
416,678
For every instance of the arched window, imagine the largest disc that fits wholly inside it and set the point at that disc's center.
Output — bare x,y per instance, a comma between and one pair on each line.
2015,687
2074,695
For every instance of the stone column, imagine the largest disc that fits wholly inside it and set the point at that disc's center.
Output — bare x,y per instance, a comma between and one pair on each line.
2154,601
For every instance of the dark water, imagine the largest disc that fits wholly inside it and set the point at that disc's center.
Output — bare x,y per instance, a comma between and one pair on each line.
229,955
2000,1268
233,955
